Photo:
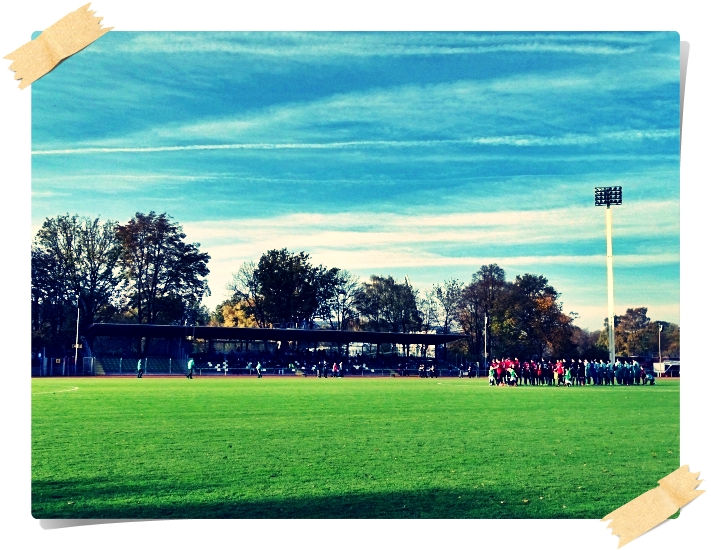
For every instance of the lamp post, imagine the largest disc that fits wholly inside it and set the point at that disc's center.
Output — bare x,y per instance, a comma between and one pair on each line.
607,196
486,320
660,344
76,341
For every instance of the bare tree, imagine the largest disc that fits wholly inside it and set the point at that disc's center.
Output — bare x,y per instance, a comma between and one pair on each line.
448,297
245,288
341,307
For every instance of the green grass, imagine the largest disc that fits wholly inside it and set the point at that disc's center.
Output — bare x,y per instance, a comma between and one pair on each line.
354,448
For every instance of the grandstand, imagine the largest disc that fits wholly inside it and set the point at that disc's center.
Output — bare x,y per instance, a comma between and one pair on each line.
114,349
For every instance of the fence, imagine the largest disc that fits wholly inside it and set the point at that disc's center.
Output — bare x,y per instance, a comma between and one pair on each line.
168,366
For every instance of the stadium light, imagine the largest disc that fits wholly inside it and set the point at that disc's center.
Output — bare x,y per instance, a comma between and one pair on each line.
607,196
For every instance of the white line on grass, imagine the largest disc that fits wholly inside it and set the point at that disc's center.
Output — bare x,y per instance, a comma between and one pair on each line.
73,388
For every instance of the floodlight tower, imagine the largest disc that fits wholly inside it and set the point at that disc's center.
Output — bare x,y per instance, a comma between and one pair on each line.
607,196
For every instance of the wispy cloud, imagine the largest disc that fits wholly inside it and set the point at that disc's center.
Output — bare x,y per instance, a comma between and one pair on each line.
320,45
520,110
354,228
513,141
424,154
365,242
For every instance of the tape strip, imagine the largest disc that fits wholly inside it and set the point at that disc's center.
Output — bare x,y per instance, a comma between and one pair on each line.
73,32
654,507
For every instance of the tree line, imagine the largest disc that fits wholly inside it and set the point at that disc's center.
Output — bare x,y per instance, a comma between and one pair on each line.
144,271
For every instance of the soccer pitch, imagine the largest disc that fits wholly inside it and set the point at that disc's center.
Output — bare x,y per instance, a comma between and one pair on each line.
344,448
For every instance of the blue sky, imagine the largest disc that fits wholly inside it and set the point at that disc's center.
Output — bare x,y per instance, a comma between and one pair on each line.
418,154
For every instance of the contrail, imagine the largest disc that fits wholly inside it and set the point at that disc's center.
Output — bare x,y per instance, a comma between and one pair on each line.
514,141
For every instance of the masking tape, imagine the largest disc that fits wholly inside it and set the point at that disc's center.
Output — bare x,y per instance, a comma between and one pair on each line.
654,507
73,32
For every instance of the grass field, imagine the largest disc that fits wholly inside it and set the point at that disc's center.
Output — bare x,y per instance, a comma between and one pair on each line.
344,448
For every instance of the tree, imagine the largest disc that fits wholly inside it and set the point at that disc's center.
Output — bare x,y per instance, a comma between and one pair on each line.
163,276
671,339
533,321
49,303
284,288
633,331
428,306
340,307
479,299
637,335
245,289
388,306
471,318
74,261
587,344
448,298
232,313
525,316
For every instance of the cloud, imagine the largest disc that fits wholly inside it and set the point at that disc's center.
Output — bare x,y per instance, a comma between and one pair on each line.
353,228
326,45
514,141
525,110
593,316
378,242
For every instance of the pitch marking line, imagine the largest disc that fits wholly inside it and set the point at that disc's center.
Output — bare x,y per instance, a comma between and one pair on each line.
73,388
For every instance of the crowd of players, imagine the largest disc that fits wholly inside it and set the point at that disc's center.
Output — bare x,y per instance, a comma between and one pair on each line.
578,372
502,372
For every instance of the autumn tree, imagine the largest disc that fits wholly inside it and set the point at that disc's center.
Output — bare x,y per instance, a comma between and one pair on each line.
530,319
480,299
637,335
232,313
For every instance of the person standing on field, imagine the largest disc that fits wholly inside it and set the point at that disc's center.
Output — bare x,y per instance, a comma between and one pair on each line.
139,369
191,364
636,372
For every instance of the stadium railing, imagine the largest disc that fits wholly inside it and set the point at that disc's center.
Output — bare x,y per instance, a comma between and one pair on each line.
166,366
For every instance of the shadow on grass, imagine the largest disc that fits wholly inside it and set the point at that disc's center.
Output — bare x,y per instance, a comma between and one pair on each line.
119,502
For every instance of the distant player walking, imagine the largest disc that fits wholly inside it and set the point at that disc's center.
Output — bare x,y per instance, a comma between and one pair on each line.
191,364
139,369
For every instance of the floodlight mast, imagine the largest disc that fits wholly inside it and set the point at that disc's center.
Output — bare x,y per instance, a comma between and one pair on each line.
607,196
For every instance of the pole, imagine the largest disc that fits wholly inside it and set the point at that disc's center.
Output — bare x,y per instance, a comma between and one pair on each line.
660,345
486,319
76,342
610,295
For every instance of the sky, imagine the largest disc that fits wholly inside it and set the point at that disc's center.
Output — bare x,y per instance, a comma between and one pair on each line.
424,155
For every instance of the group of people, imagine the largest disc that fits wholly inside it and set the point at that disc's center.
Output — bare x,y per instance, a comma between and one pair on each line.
427,372
577,372
319,364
